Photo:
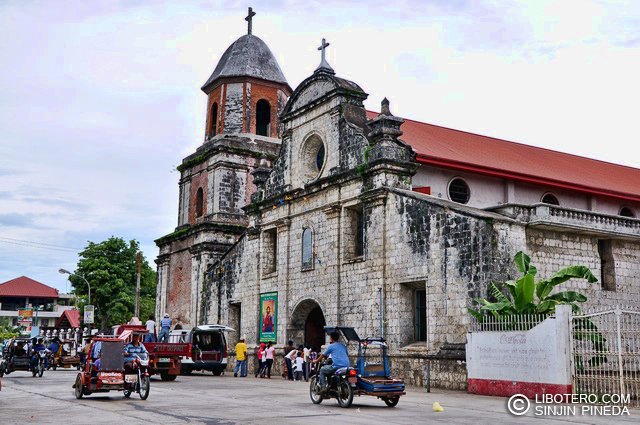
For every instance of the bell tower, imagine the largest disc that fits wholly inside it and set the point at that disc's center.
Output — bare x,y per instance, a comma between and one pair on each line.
247,90
245,94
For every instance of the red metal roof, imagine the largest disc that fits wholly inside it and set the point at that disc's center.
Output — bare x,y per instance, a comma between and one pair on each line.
446,147
26,287
73,318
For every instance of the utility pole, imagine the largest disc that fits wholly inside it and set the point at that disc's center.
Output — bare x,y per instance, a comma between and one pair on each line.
137,312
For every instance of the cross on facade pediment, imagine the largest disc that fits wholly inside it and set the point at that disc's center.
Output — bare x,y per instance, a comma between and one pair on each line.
324,65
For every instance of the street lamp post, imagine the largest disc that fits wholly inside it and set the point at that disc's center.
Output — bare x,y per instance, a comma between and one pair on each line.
63,271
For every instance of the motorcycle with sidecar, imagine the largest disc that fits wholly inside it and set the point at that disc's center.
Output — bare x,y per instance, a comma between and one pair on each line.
371,375
18,356
105,369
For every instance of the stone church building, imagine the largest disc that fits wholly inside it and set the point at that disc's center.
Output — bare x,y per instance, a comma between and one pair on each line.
349,217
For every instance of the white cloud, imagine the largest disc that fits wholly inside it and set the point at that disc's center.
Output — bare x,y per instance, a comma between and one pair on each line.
101,100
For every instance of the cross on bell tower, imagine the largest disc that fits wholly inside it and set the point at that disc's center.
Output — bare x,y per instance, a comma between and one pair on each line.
324,65
249,18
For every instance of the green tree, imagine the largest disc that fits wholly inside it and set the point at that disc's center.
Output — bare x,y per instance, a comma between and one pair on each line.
110,267
7,330
526,296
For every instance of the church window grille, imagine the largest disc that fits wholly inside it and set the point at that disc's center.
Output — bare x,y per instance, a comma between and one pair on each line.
626,212
270,251
550,199
320,157
307,249
263,118
459,191
420,315
607,265
312,158
214,119
199,202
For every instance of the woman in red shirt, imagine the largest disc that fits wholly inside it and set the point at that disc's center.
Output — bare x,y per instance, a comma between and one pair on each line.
261,360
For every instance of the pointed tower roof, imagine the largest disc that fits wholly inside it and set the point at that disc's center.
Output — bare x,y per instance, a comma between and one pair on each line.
248,56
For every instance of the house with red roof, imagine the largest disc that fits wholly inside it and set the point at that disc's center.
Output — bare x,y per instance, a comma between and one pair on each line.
24,293
303,207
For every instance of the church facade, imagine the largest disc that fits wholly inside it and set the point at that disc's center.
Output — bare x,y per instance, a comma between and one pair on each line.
324,213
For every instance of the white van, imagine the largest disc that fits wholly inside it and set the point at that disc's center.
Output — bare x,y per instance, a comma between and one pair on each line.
208,348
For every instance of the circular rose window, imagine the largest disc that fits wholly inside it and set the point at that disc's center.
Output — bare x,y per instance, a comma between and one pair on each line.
312,158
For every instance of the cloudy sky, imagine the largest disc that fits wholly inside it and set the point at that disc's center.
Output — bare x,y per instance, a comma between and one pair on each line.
100,100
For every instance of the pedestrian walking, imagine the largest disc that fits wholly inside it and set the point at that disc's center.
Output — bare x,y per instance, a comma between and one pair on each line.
269,355
287,361
165,328
299,367
241,359
151,329
261,360
290,359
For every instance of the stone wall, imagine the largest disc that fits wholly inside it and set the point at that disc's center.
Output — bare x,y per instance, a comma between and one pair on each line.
552,250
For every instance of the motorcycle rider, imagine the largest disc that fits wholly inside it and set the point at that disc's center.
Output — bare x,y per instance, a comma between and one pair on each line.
339,355
39,346
131,349
54,346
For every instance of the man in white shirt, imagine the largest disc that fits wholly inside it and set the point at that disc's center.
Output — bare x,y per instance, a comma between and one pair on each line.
151,329
290,360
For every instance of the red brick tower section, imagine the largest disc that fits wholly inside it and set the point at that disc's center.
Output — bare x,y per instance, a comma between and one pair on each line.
262,101
246,91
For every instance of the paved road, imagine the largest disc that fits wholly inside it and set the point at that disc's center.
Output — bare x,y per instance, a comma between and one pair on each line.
205,399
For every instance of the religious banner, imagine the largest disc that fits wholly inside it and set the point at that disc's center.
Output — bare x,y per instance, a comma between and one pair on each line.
268,323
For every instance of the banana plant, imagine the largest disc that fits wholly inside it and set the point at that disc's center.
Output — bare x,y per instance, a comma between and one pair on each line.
526,296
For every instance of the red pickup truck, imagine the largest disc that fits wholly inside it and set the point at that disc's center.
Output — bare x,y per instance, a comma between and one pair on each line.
165,358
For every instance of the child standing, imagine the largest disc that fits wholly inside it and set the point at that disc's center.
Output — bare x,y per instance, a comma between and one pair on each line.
299,365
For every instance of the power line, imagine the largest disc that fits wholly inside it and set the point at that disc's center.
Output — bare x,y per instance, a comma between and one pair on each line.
29,244
38,243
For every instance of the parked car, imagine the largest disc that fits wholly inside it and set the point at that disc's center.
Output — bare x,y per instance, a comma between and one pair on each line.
209,349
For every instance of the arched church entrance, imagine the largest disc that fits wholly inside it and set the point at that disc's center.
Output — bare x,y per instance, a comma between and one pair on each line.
307,325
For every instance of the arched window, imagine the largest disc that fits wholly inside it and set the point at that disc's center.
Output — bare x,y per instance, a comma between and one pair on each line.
626,212
550,198
263,118
459,191
214,119
307,248
199,202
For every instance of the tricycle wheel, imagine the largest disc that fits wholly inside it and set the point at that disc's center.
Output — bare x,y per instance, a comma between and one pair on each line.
345,394
314,391
144,387
391,401
127,393
217,372
78,390
167,377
